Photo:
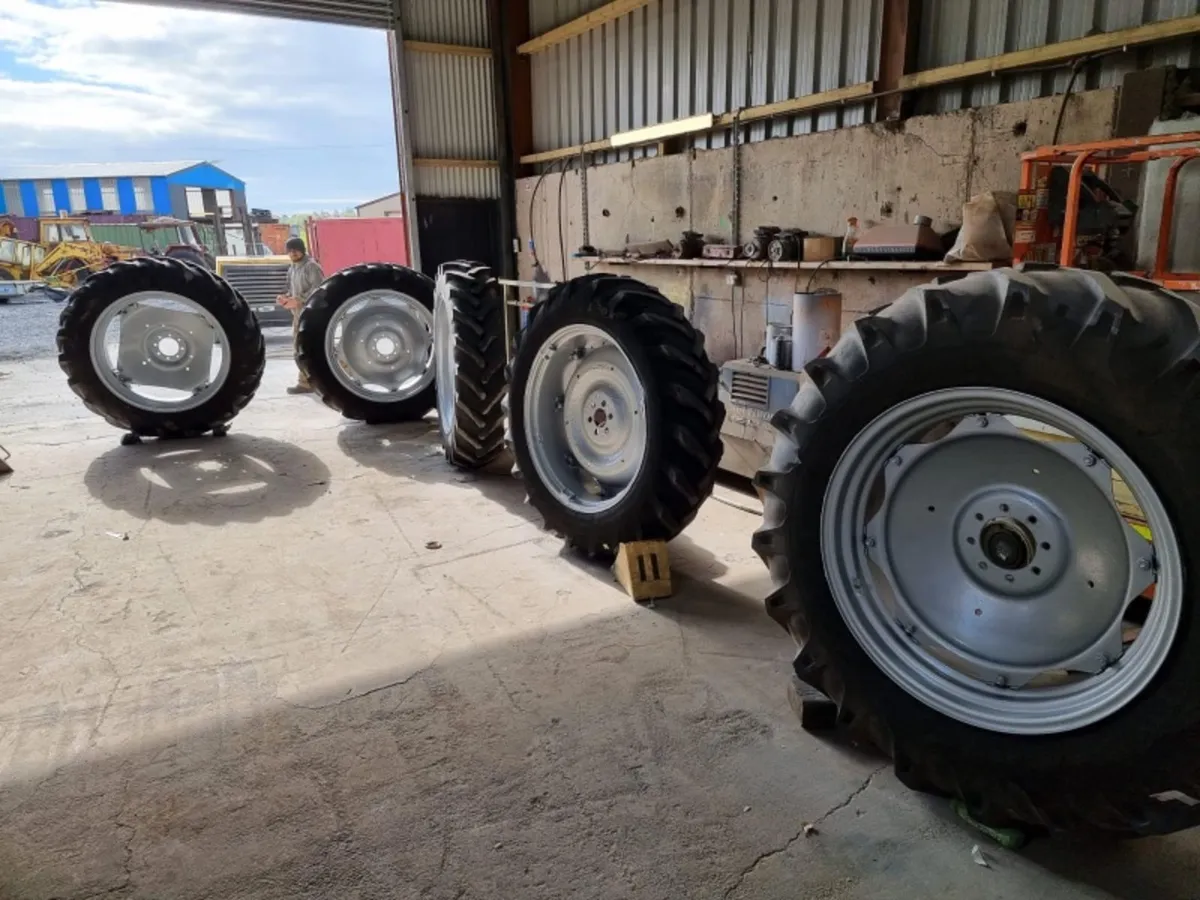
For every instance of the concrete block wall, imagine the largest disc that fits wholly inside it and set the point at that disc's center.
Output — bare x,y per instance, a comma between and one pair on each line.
880,173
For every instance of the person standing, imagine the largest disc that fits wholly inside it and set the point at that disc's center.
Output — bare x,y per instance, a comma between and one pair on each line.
304,277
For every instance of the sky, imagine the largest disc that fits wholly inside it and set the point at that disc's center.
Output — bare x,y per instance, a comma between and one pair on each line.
302,112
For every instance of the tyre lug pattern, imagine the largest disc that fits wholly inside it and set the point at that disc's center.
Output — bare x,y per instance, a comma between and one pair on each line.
1105,326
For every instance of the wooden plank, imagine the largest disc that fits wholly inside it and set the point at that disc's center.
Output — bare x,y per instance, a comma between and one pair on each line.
1054,53
446,49
898,44
456,163
653,134
584,23
835,97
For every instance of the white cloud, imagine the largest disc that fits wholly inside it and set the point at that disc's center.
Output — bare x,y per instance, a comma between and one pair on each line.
137,72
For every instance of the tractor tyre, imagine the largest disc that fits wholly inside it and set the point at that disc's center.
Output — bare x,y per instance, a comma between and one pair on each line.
942,527
468,324
106,296
614,420
188,255
366,343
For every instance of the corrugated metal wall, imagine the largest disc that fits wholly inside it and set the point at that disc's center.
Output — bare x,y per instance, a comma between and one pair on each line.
955,31
676,58
450,103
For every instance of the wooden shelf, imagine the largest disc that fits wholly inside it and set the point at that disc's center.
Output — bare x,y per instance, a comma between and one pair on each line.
836,265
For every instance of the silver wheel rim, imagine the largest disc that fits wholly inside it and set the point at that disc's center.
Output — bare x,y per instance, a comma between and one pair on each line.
380,346
443,355
160,352
974,547
585,419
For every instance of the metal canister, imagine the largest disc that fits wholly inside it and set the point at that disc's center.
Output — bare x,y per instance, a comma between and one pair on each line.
779,346
816,324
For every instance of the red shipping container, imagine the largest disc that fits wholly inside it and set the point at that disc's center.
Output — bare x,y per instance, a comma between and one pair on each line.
340,243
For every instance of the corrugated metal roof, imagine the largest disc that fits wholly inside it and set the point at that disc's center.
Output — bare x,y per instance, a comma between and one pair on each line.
97,170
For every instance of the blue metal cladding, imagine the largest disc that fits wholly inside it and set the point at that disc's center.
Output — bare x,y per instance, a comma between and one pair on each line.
92,196
3,204
29,199
62,195
160,195
206,175
125,197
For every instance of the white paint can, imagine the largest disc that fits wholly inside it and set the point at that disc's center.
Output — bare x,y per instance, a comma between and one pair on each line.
816,325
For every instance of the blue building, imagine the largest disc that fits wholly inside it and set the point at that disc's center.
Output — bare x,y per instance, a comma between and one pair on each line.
185,190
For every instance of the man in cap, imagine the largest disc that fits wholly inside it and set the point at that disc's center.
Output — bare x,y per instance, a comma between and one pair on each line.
304,277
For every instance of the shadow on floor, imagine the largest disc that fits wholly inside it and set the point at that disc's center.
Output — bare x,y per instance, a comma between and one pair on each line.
208,481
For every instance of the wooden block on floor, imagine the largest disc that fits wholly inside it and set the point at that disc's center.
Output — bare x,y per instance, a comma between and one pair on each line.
643,569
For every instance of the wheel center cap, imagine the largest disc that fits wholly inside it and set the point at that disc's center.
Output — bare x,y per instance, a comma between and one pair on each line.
1007,544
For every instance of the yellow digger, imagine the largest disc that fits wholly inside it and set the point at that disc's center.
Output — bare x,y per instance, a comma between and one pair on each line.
17,260
71,253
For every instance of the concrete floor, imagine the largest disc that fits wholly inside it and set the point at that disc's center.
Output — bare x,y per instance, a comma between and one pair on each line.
243,668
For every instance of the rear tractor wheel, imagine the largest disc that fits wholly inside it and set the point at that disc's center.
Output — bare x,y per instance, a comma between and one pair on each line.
366,343
468,324
980,517
614,417
160,349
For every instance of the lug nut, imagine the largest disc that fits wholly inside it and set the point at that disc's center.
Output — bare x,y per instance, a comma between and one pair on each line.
1089,460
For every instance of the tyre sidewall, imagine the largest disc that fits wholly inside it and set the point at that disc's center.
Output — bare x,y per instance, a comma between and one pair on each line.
315,321
622,521
1166,707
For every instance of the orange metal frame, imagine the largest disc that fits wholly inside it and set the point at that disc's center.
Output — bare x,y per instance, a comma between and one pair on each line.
1119,151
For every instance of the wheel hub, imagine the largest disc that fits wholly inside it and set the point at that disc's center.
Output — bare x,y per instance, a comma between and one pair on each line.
992,570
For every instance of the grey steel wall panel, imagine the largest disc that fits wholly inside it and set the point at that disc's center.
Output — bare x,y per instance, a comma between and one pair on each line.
674,58
451,111
445,21
437,181
955,31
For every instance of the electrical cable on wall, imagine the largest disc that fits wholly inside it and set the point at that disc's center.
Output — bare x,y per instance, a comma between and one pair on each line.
562,239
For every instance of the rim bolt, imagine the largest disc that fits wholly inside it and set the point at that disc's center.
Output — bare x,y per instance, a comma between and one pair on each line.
1001,681
983,421
870,541
560,402
580,352
1144,564
570,460
553,348
856,584
896,460
1089,460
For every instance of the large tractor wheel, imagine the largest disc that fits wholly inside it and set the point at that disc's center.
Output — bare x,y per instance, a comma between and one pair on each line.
468,324
366,343
983,522
190,255
614,417
160,348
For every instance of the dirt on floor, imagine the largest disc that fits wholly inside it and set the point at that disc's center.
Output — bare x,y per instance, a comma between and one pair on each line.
310,660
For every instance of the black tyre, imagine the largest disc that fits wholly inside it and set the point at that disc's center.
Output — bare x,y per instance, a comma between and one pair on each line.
189,255
611,376
469,352
236,369
366,343
1116,359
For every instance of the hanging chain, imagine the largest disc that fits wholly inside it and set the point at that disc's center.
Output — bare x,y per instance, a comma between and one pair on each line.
583,188
737,178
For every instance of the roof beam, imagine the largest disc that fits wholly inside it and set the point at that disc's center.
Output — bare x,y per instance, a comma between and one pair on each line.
584,23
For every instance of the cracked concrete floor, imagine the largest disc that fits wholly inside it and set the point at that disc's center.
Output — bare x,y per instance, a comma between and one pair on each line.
240,668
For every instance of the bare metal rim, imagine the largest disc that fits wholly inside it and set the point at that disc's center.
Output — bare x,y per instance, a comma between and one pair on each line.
379,345
585,419
903,555
122,385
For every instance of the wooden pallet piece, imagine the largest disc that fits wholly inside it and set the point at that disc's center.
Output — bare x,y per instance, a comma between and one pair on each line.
643,569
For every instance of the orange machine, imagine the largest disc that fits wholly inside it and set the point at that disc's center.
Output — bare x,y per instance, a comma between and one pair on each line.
1038,237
